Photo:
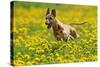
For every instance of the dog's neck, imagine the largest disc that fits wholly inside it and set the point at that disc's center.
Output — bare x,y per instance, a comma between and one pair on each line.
56,25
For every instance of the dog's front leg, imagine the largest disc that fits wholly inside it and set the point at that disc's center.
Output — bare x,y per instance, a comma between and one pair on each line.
59,38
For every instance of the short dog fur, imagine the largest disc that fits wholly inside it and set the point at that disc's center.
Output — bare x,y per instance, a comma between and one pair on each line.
61,31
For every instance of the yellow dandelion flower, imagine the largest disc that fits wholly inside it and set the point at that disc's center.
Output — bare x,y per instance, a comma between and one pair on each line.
37,59
29,63
19,62
38,50
23,40
20,29
16,40
34,61
27,37
27,56
94,57
43,56
86,30
45,46
82,59
23,30
19,37
27,45
31,49
59,58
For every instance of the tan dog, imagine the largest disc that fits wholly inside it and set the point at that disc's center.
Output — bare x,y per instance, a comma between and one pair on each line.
61,31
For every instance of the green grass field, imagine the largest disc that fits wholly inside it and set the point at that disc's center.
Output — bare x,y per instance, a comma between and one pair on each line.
33,43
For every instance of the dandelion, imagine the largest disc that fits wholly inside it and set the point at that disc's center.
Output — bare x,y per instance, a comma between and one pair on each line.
27,37
37,59
43,56
19,37
59,58
27,56
86,30
34,61
19,62
29,63
93,57
16,41
31,49
39,50
27,45
23,40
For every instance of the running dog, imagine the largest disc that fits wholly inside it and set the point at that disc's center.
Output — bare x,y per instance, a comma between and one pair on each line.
61,31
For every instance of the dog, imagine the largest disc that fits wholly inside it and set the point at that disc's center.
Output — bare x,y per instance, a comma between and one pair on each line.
61,31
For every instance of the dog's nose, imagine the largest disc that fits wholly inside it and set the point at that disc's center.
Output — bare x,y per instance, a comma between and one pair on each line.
46,23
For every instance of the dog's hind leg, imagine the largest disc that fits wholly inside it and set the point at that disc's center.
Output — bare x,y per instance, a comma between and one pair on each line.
73,33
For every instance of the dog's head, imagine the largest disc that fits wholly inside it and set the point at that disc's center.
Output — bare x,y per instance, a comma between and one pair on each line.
50,17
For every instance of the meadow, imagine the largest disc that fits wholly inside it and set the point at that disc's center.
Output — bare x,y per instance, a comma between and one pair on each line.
34,44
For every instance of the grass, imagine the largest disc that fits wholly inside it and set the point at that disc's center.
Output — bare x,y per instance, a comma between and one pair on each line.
33,43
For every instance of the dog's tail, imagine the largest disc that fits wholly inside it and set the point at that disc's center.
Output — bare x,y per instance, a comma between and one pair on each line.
77,23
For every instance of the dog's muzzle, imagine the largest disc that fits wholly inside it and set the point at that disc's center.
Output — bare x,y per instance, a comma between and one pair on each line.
48,25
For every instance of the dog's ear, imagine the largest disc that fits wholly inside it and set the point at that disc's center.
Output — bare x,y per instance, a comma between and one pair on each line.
53,12
48,11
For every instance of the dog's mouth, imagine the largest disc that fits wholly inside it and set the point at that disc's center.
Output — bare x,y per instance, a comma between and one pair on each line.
48,25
